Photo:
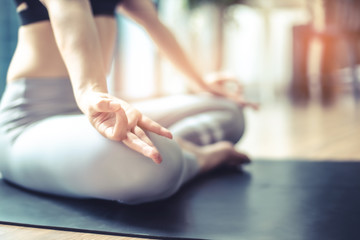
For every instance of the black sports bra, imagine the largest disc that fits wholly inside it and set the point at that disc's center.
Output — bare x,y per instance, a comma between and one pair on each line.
31,11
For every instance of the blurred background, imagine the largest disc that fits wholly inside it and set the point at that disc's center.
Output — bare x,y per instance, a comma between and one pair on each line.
297,58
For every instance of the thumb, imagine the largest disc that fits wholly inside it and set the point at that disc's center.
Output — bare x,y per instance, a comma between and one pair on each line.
106,105
114,105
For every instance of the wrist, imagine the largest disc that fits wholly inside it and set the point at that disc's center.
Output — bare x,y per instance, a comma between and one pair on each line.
85,94
202,83
197,85
89,86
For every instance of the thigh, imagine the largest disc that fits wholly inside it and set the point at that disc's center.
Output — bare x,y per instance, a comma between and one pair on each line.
169,110
199,119
65,155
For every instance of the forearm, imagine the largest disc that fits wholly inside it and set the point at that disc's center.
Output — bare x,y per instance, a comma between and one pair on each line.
169,46
78,42
144,13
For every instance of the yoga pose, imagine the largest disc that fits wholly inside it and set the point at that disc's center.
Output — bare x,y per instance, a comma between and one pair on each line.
63,133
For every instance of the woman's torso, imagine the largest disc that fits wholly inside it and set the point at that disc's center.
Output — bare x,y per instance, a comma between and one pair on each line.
37,55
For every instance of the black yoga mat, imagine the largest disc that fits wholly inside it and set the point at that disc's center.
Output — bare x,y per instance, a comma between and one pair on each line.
280,200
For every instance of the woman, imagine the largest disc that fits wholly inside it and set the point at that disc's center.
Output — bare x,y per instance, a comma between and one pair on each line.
56,107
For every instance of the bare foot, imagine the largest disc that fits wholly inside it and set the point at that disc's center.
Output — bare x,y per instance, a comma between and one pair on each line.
215,155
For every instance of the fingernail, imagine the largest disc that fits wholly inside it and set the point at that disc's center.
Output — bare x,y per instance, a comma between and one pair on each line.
153,154
168,134
156,157
159,159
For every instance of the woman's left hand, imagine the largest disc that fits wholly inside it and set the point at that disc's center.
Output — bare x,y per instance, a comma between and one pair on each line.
225,85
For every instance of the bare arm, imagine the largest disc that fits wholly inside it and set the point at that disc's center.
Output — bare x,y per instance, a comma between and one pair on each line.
144,13
79,44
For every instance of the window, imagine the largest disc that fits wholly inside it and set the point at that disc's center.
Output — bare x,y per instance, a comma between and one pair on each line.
138,70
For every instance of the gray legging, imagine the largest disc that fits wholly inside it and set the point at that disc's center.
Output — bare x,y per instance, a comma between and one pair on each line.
47,145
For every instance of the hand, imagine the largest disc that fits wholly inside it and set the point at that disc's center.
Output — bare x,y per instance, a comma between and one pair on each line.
119,121
225,85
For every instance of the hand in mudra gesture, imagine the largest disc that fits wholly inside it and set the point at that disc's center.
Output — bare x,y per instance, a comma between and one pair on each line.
117,120
225,85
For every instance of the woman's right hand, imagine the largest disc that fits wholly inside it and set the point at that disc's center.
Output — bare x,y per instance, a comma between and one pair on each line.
117,120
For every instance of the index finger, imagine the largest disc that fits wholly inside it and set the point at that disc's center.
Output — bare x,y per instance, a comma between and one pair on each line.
140,146
152,126
121,122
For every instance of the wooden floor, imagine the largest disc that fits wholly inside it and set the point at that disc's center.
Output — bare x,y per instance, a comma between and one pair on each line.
278,131
281,130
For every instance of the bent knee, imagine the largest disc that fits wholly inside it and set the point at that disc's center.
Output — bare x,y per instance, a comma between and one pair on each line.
236,124
132,178
158,181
